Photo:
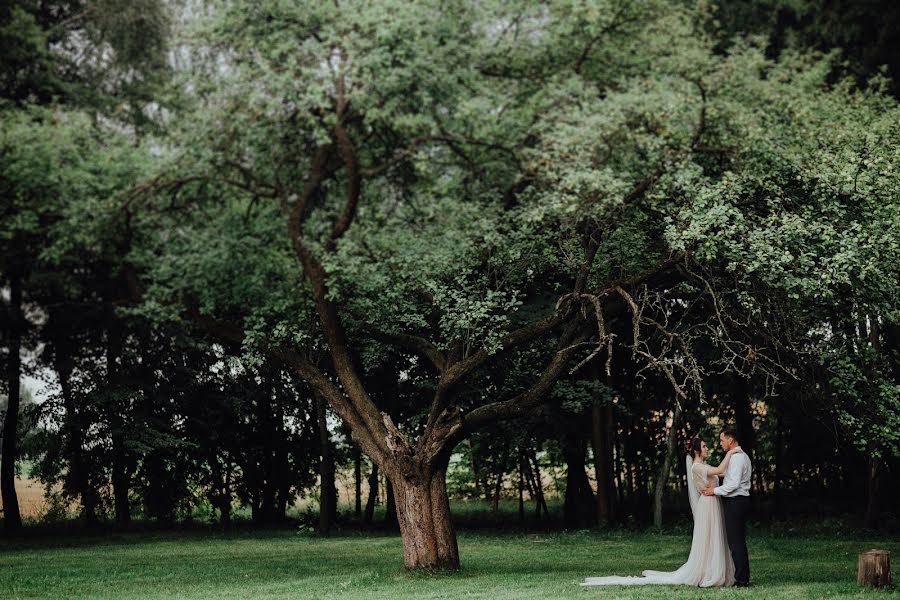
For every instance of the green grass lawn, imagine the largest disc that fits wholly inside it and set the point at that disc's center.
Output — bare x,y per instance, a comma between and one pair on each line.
284,564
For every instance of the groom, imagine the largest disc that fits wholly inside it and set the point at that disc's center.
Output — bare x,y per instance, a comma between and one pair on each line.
735,492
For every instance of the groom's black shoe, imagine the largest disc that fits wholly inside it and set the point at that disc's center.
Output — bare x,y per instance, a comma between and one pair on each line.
741,584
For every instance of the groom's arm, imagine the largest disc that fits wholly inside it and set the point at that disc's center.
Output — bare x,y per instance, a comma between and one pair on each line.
732,475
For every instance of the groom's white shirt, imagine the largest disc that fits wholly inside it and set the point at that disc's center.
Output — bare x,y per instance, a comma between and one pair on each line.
737,477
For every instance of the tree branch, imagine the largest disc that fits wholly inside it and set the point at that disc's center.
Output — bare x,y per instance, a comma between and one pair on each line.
373,446
532,398
413,343
351,164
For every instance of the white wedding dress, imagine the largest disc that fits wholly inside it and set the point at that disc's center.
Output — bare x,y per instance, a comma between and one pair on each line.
709,563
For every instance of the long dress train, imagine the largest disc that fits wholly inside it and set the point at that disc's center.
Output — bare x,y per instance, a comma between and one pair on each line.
709,563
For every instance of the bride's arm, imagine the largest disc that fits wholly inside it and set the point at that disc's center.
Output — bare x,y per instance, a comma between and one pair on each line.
720,470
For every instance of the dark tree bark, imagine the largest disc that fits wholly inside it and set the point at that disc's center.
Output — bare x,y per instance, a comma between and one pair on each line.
892,345
476,472
578,504
390,507
121,477
357,481
630,466
12,518
498,481
521,489
873,489
78,476
158,501
327,492
662,476
373,495
779,457
535,474
282,468
156,498
267,430
535,489
740,393
602,424
620,485
224,504
642,482
220,494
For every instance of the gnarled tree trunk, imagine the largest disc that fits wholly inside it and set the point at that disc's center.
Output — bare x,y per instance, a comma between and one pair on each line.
423,513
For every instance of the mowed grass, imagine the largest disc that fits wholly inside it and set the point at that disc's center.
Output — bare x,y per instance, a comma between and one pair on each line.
285,564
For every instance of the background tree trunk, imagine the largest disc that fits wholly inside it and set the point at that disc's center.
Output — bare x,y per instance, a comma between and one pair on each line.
78,477
602,450
630,456
873,492
620,485
390,507
642,478
743,414
326,470
220,495
357,482
12,518
779,458
281,476
578,504
662,475
120,472
476,471
498,481
373,495
521,489
535,473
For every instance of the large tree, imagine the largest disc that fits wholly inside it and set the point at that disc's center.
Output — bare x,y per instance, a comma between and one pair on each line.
506,184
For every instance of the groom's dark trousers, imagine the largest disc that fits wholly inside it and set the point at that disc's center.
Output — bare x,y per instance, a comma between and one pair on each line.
737,509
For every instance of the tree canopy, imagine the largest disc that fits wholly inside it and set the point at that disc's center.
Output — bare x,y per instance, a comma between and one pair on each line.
476,200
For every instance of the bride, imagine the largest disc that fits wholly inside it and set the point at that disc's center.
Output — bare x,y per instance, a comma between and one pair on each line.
709,563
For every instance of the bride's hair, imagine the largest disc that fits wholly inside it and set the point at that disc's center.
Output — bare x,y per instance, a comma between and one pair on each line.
692,448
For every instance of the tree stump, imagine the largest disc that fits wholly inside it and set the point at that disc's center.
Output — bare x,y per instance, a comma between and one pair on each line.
874,568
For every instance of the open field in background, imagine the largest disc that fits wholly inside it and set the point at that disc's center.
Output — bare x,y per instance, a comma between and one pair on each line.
472,513
789,564
33,505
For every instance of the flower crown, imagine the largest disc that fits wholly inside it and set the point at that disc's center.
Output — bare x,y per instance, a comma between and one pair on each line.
690,443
